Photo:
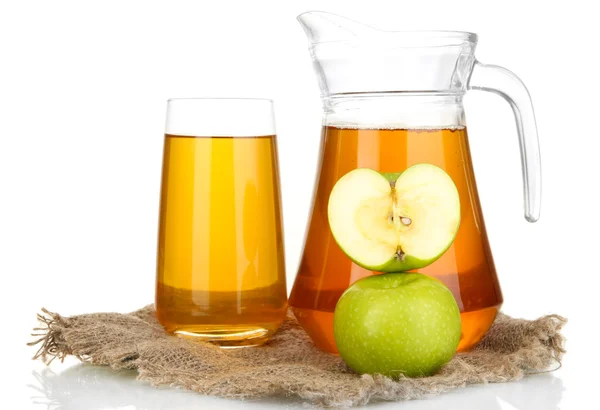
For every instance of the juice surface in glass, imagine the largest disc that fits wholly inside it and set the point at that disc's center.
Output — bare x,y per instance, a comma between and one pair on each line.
467,267
221,272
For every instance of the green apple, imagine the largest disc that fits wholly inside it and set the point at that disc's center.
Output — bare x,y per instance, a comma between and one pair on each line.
397,324
394,222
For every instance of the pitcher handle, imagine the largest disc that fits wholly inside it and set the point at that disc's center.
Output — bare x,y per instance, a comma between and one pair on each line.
503,82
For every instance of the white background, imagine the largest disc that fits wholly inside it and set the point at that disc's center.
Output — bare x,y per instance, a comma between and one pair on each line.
83,89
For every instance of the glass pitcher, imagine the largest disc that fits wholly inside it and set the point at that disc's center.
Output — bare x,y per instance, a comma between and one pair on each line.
391,100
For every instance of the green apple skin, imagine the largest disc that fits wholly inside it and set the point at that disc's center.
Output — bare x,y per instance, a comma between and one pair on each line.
397,265
397,324
391,176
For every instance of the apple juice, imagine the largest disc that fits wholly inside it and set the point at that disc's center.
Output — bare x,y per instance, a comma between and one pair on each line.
466,268
221,268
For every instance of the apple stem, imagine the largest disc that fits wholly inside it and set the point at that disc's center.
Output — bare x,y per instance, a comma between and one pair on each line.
400,254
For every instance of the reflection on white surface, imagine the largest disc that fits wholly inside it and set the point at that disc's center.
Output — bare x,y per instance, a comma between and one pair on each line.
538,392
95,387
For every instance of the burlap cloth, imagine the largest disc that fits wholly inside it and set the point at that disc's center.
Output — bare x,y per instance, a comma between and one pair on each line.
289,364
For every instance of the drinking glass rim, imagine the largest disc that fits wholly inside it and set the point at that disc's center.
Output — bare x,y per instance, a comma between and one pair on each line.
223,116
219,99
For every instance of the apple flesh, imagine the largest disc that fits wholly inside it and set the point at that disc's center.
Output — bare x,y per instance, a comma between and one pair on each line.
394,222
397,324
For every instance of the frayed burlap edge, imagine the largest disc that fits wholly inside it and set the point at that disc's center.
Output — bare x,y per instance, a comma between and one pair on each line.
289,364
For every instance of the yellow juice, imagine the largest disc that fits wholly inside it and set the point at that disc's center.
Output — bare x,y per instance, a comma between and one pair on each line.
221,268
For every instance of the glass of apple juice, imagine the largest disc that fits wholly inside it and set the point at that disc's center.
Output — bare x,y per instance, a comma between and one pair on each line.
220,268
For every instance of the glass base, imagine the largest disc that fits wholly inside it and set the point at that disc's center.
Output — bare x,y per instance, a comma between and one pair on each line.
226,336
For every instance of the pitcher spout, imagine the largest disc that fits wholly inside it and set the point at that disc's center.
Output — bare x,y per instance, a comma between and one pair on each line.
321,27
350,57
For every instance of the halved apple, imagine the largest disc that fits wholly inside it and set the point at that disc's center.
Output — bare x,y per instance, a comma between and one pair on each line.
394,222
